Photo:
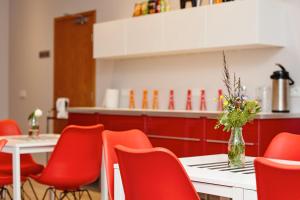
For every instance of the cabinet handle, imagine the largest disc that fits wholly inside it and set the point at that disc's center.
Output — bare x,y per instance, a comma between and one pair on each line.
226,142
174,138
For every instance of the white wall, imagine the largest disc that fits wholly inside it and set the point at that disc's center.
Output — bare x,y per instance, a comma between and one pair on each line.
4,61
32,31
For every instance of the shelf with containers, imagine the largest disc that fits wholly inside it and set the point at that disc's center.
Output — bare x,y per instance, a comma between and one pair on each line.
231,25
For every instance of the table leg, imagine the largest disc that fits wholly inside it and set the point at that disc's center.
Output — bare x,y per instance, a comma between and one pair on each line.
16,174
237,194
104,188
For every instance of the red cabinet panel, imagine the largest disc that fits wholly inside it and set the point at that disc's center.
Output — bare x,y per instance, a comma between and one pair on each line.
122,122
178,147
191,136
268,128
174,126
83,119
183,136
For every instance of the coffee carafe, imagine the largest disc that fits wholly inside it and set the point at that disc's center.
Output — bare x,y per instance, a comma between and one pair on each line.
281,90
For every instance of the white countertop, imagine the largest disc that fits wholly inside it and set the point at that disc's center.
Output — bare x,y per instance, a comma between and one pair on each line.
172,113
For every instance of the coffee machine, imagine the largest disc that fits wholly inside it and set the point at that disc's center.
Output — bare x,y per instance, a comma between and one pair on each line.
281,90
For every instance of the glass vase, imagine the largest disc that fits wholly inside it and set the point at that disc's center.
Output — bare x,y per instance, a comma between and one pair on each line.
34,127
236,148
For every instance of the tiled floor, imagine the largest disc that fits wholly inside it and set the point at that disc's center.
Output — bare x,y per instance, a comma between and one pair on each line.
40,189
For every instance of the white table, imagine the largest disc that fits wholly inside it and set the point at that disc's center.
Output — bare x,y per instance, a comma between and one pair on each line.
18,145
210,175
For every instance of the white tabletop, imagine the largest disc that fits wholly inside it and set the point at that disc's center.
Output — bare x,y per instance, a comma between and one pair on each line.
24,141
244,178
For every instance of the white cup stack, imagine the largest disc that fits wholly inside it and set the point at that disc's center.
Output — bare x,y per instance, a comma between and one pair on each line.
111,98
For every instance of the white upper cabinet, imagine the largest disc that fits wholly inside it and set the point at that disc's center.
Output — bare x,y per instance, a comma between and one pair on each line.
109,39
245,24
233,25
184,29
144,35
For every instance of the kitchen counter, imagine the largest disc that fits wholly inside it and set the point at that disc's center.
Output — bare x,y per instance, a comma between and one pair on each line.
172,113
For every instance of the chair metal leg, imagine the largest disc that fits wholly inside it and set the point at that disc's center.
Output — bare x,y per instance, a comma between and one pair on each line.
24,193
62,195
74,195
32,188
45,193
88,193
7,192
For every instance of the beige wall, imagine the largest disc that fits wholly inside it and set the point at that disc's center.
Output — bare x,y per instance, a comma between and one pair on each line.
4,61
32,31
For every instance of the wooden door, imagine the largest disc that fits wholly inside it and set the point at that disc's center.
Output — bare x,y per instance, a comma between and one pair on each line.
74,66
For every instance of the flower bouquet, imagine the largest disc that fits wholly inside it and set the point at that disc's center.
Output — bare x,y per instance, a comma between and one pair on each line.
237,112
33,120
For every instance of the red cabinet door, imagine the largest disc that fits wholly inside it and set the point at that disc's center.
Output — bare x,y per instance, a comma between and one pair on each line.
83,119
269,128
183,136
122,122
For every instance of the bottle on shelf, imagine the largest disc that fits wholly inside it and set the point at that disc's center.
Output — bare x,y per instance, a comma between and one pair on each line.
218,1
171,105
162,6
152,6
155,104
131,100
220,100
167,5
145,100
189,100
203,106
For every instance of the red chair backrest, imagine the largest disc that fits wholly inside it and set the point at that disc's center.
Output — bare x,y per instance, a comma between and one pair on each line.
9,127
153,174
2,143
77,156
285,146
276,181
131,138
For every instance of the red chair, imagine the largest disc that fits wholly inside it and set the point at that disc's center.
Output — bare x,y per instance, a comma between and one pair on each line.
285,146
153,174
276,181
2,143
75,161
28,165
4,180
132,138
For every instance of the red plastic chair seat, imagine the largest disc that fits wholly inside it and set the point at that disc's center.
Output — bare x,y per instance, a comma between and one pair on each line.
76,159
5,180
156,173
132,138
26,169
276,181
284,146
28,165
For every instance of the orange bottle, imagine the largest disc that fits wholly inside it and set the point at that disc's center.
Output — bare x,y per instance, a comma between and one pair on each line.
145,100
218,1
155,104
131,100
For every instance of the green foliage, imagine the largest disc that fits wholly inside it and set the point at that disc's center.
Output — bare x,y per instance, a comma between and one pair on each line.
238,111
